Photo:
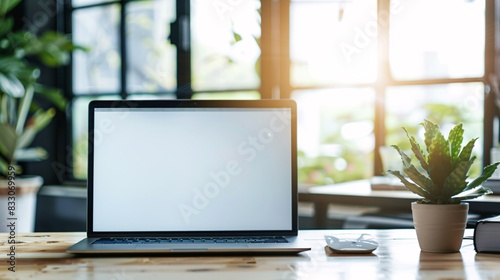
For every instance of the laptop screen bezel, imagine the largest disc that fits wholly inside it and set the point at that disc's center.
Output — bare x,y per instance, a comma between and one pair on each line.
277,104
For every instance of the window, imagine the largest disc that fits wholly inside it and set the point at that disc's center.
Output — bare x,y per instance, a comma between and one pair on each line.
359,70
371,67
144,49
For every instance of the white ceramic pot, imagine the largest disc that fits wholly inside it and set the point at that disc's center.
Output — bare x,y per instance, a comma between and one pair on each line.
24,198
440,227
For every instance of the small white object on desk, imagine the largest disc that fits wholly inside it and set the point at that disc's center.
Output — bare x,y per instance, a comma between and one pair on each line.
351,244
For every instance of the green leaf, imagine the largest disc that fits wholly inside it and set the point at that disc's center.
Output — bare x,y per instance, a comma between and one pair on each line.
27,137
487,172
439,160
53,49
237,37
417,151
54,95
480,191
6,26
24,106
36,123
421,180
430,131
7,5
4,167
409,185
31,154
456,182
11,66
8,141
455,138
466,152
4,105
404,158
11,85
21,42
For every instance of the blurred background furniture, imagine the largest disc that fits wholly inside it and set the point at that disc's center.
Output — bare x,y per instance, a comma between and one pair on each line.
371,208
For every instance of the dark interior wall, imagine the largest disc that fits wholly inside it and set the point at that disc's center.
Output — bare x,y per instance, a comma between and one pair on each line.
39,16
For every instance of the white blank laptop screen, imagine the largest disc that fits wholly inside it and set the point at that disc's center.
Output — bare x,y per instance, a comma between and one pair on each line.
186,169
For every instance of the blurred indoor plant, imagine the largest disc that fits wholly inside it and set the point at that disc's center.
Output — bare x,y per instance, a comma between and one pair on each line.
20,117
440,216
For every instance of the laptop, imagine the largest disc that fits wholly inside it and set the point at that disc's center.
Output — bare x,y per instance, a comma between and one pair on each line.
185,176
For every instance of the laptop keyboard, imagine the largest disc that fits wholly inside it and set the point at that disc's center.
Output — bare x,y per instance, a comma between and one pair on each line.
193,240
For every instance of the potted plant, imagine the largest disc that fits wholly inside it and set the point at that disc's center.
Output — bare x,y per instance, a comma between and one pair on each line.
440,216
21,118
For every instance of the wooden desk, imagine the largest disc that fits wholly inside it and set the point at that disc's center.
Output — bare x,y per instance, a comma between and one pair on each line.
42,256
359,193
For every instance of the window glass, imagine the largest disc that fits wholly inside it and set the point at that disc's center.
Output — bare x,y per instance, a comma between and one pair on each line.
80,111
447,42
445,105
335,134
333,42
225,44
96,71
245,95
151,59
151,96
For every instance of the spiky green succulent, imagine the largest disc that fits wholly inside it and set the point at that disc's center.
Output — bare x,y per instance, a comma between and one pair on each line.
446,165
